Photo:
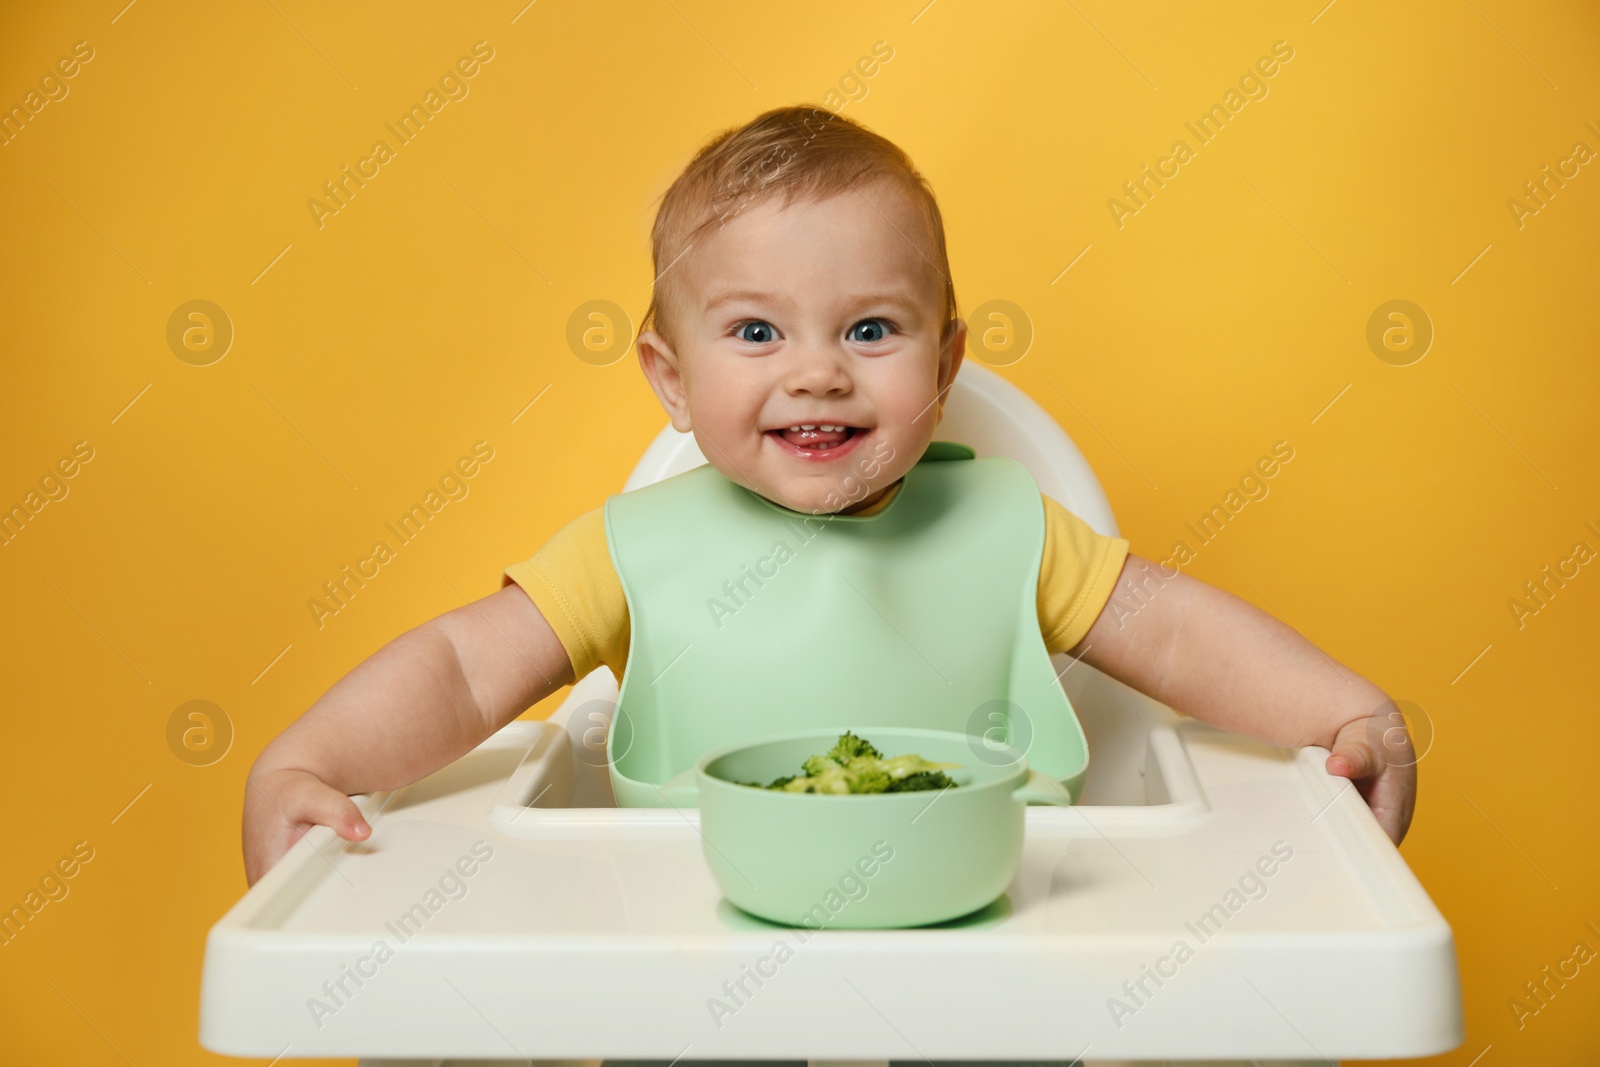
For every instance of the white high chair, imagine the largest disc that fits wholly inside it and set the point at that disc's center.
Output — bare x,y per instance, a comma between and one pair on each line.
504,910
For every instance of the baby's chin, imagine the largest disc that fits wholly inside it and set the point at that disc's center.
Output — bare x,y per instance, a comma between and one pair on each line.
819,498
809,503
842,485
830,500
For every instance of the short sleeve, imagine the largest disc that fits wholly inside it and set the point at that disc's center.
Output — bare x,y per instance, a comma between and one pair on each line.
573,583
1077,576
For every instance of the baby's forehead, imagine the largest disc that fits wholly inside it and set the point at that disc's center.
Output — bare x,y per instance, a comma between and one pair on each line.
878,202
844,246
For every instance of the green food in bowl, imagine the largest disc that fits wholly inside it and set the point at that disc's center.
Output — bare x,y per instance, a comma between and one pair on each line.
854,765
907,859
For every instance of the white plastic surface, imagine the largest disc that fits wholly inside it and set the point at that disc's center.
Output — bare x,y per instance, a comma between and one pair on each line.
597,932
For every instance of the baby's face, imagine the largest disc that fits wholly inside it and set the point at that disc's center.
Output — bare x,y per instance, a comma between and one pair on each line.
818,315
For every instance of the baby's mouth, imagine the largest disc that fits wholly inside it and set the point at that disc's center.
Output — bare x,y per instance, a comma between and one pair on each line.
817,438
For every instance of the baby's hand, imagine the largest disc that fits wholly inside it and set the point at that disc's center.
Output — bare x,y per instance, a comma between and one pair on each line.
1376,755
281,805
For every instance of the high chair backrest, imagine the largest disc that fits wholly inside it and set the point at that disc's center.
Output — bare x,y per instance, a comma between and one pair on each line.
984,411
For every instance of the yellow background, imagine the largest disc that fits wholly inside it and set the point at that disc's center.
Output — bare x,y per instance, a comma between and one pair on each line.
1226,315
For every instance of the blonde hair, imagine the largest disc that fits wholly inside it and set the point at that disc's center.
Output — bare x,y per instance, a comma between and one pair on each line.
806,153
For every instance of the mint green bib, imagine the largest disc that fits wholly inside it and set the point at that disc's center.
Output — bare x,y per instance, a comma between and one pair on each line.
750,619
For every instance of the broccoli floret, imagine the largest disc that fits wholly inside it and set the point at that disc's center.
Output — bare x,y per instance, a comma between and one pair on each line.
920,780
854,765
849,747
867,776
817,766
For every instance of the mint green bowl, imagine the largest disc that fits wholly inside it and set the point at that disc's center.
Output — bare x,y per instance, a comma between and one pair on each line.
864,861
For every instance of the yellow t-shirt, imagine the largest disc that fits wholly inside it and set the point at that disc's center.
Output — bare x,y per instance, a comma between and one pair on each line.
572,582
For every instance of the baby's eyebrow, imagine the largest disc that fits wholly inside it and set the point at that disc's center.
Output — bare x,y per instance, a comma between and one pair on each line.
752,295
900,298
897,297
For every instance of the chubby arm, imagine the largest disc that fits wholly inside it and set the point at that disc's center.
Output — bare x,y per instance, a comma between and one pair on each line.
1211,655
429,696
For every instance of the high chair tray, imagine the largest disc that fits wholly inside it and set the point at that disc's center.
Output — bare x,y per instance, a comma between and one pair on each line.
1212,897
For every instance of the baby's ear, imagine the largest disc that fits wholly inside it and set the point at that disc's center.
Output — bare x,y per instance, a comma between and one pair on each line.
660,365
953,346
955,333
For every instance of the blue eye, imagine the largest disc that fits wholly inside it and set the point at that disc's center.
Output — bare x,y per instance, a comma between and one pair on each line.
762,332
876,330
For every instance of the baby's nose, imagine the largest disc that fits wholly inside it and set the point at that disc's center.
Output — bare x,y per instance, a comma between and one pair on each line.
818,370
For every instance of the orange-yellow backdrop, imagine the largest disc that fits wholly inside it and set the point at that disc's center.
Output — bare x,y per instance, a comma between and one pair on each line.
373,346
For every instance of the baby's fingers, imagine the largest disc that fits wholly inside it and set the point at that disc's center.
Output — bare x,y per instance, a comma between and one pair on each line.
1387,783
281,806
326,806
1352,757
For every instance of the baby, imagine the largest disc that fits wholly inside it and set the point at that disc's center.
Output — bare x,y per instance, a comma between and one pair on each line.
803,327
